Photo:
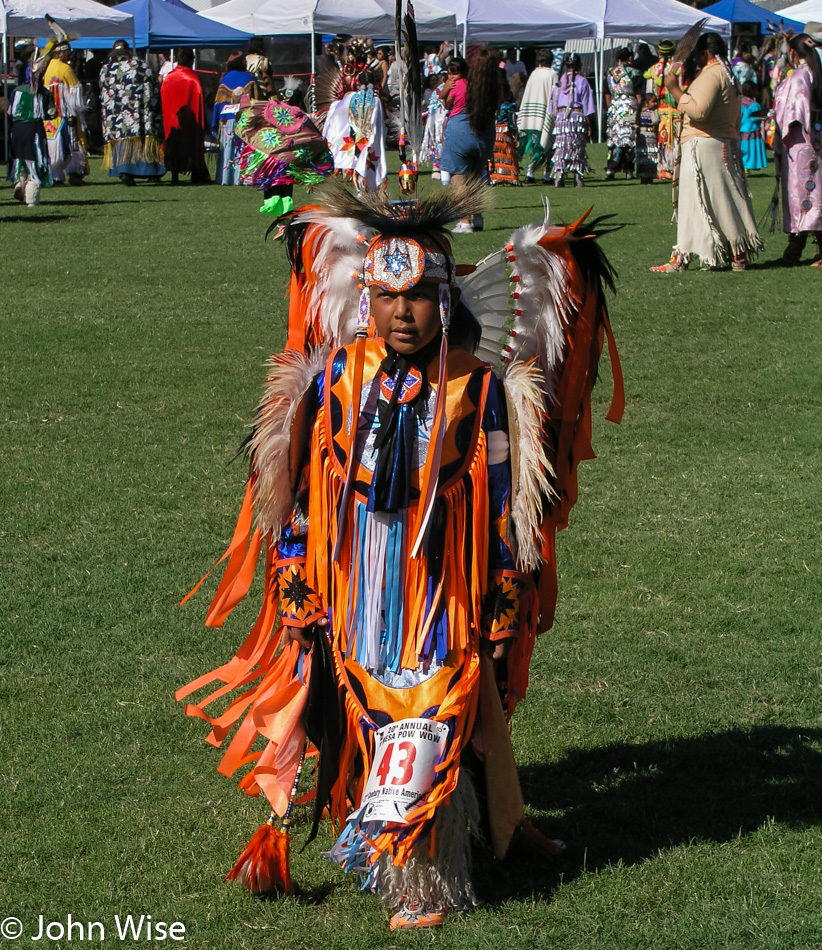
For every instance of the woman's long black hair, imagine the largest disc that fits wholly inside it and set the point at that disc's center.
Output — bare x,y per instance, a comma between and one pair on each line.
482,93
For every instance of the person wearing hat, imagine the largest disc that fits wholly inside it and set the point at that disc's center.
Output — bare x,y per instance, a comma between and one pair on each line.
670,119
66,132
798,112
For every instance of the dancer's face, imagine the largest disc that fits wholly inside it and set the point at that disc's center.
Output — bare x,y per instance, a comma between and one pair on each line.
407,319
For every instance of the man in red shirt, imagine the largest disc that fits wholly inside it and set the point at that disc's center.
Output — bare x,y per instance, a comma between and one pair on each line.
184,121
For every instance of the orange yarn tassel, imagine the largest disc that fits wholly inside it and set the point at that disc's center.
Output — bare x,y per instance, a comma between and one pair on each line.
264,865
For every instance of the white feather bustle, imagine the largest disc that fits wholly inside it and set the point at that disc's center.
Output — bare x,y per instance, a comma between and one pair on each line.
487,294
544,305
445,879
533,474
332,303
524,290
290,376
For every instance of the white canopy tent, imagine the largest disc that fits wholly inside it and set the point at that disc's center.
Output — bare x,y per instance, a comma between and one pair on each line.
363,17
651,20
76,17
810,11
526,21
366,17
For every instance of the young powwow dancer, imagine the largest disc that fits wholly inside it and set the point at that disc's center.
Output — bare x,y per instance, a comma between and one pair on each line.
572,104
407,569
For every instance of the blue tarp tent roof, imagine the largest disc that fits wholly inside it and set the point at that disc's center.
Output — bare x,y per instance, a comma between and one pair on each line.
737,11
171,23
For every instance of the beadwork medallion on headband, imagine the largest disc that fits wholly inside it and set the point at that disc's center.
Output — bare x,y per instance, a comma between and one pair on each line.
398,263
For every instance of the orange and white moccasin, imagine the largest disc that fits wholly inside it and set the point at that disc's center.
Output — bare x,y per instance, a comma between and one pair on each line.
414,915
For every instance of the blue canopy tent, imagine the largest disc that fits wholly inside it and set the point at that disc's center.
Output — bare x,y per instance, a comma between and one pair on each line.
739,11
170,23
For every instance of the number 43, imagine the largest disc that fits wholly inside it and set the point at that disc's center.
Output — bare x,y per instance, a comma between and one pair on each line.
407,753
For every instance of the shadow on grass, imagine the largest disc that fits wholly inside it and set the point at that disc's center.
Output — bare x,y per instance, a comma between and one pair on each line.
68,203
34,218
624,803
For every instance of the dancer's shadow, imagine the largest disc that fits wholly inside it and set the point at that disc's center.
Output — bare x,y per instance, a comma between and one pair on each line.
34,218
70,203
624,803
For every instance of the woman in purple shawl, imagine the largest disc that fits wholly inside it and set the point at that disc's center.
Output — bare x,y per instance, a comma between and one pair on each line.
572,103
798,108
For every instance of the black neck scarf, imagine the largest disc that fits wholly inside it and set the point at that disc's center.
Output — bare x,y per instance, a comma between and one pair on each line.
395,440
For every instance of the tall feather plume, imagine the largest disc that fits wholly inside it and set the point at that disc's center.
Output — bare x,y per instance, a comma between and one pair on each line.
533,477
541,256
59,33
408,56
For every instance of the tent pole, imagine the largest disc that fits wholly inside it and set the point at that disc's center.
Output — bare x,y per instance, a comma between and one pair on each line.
601,91
6,94
313,50
597,82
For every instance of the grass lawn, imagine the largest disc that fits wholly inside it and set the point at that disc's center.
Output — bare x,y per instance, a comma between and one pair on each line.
672,734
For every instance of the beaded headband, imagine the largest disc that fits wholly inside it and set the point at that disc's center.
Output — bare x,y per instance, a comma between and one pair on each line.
399,263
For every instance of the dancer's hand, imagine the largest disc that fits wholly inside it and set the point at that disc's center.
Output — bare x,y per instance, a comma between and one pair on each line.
497,649
304,635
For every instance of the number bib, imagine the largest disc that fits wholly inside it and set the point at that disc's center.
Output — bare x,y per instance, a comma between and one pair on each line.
405,754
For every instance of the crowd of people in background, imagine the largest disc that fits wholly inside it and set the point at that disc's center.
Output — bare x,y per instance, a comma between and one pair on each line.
485,116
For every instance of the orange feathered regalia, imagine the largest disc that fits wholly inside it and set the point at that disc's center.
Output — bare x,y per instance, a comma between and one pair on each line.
406,505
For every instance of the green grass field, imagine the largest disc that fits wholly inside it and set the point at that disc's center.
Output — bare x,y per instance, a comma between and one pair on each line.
672,734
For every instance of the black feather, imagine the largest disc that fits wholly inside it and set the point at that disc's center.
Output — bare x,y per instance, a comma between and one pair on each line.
587,252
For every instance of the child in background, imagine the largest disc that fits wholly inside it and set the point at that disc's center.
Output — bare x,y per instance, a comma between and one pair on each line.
452,95
504,165
434,115
647,141
751,138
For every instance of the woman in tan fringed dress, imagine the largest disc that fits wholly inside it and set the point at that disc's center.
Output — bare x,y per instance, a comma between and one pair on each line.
715,219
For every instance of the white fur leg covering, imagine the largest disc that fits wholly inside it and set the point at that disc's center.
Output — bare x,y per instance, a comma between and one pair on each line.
32,193
444,879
